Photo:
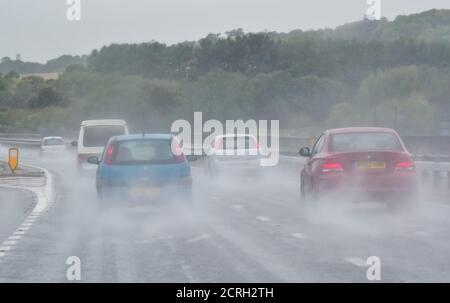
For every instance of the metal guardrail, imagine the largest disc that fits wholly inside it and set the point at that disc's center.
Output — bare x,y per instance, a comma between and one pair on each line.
20,136
34,142
437,172
289,145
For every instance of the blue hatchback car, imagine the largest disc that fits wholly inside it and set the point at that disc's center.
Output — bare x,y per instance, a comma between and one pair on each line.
142,167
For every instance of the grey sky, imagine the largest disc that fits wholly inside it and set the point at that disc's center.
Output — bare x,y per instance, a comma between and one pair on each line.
39,30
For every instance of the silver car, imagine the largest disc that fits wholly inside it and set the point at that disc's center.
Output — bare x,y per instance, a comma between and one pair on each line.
234,154
52,146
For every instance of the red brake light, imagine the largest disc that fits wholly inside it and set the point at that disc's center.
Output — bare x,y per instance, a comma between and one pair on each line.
178,151
256,144
109,154
405,165
331,167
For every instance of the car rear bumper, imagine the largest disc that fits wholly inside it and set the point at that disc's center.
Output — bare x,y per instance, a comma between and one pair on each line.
144,194
393,186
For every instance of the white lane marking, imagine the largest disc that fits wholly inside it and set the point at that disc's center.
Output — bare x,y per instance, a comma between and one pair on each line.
263,219
199,238
238,206
9,243
356,261
300,236
43,195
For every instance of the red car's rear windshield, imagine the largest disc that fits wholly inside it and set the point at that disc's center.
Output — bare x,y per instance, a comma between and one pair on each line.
365,141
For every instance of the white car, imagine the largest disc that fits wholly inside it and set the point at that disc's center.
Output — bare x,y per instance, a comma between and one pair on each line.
52,146
234,154
93,136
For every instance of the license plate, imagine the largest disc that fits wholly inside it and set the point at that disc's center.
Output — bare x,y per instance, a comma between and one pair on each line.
144,191
371,165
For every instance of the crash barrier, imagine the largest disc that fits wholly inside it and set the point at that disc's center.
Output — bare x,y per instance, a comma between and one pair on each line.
21,139
428,145
434,173
424,148
20,136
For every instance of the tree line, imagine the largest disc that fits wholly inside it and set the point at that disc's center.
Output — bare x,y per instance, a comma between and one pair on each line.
307,80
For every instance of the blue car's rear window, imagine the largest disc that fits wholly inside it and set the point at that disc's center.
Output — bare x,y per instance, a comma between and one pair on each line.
144,151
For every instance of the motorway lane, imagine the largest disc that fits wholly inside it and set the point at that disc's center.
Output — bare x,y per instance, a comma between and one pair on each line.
239,230
15,205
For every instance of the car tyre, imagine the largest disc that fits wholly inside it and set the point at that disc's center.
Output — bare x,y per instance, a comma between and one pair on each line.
308,199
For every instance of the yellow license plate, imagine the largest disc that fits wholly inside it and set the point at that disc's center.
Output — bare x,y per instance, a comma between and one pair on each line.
144,191
371,165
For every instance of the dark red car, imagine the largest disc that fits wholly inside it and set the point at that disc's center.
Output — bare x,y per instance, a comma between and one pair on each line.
358,161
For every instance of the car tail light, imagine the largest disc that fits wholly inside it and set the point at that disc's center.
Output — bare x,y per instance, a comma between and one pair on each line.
405,165
178,152
256,144
329,167
109,153
80,159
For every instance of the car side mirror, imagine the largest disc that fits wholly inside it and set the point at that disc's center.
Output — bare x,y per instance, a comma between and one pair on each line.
305,152
192,158
74,143
93,160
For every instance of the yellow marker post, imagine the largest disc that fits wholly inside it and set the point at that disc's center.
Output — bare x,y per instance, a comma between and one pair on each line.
312,141
13,158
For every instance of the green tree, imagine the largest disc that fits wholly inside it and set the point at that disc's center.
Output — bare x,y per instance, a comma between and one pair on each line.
46,97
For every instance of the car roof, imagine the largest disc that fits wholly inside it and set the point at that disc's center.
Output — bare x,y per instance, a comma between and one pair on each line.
143,137
360,130
112,122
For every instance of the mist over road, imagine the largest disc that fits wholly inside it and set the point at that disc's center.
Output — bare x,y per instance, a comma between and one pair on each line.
239,229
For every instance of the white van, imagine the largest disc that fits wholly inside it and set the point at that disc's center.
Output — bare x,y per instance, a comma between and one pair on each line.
94,134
